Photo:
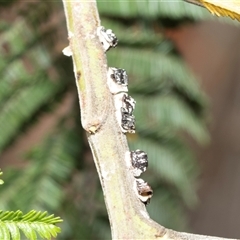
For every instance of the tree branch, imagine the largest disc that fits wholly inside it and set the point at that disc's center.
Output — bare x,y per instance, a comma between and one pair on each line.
128,216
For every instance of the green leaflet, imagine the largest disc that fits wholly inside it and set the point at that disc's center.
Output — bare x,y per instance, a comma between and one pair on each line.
21,106
17,41
31,224
169,111
51,164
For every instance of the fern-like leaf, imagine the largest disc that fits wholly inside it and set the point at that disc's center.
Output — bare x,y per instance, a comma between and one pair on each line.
229,8
50,164
21,106
171,112
16,41
151,9
17,75
30,224
145,65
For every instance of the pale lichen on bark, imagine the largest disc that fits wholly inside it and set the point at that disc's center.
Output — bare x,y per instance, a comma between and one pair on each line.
127,214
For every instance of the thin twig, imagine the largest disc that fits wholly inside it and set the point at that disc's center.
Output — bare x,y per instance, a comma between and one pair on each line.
195,2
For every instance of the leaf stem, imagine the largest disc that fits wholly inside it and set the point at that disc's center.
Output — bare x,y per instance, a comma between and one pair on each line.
195,2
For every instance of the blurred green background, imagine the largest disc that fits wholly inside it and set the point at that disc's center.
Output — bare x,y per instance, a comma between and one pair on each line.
44,154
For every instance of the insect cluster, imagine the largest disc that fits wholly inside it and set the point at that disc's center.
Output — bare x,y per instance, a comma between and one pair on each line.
117,81
139,163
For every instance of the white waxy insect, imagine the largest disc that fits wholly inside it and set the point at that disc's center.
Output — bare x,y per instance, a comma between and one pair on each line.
143,190
124,106
117,80
139,160
67,51
107,38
